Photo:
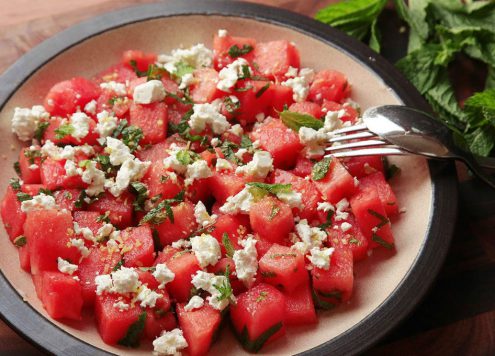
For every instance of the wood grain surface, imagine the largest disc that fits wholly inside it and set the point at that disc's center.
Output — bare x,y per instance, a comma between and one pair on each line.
457,317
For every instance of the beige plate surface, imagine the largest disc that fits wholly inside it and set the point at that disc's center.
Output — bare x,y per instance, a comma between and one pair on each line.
376,278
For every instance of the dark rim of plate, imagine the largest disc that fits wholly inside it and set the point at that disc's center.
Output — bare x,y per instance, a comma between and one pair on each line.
421,274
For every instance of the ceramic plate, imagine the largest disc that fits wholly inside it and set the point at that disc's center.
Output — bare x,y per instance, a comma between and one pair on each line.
387,285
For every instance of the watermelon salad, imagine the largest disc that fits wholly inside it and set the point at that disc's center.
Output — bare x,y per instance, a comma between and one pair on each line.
171,192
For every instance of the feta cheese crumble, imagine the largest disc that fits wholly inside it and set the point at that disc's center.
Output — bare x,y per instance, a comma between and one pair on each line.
223,165
209,114
195,302
25,121
229,75
119,89
210,283
202,216
80,123
118,151
163,275
259,167
65,267
125,280
197,170
169,343
239,203
320,257
39,202
94,177
309,237
197,56
315,141
206,249
147,297
149,92
106,125
300,84
131,170
246,261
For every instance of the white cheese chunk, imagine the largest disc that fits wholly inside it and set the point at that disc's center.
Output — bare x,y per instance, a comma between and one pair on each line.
149,92
169,343
229,75
320,257
39,202
118,88
65,267
246,261
259,167
197,56
202,216
209,114
130,171
300,84
163,275
206,249
118,151
195,302
239,203
315,141
107,124
197,170
25,121
125,280
147,297
80,123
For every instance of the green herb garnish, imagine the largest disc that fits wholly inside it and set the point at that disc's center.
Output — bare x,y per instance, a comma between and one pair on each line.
295,120
131,136
320,169
131,339
23,196
15,183
235,51
141,192
260,92
229,248
256,345
163,210
40,130
64,130
20,241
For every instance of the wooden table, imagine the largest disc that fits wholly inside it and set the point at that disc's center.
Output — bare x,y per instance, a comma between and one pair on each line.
457,317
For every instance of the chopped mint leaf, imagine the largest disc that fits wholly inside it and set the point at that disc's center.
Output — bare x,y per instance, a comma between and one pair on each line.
23,196
320,169
260,92
229,248
40,130
235,51
20,241
162,211
295,120
131,339
131,136
15,183
63,131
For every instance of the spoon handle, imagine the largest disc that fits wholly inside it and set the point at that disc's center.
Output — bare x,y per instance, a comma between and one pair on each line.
485,162
477,169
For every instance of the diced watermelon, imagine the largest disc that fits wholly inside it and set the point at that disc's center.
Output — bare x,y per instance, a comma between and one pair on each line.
154,153
67,198
349,113
372,217
308,108
235,226
225,184
184,224
310,195
138,59
24,258
271,219
29,163
362,166
330,85
158,321
385,192
66,97
101,260
341,236
274,58
335,284
138,247
151,119
54,176
112,102
48,233
199,327
284,267
120,208
204,89
89,219
199,190
303,167
61,295
33,189
119,73
222,45
299,307
159,182
337,182
258,315
12,216
113,324
282,143
183,265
